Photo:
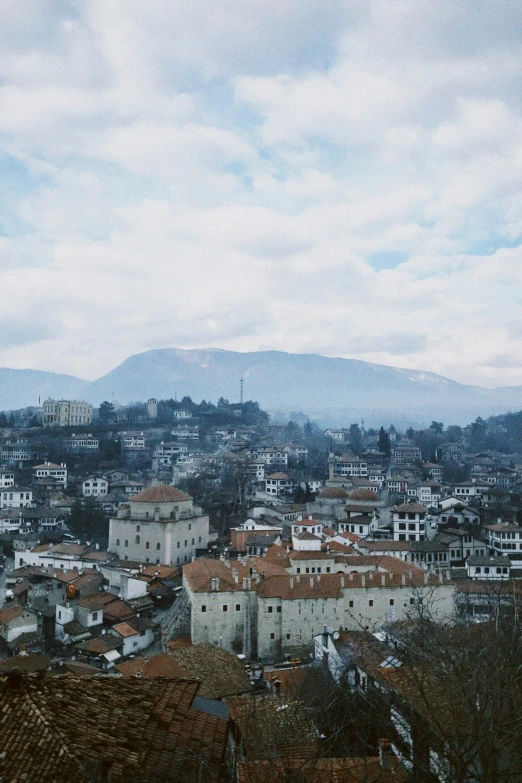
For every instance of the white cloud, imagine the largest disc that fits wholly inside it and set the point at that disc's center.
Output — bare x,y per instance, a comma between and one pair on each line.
241,175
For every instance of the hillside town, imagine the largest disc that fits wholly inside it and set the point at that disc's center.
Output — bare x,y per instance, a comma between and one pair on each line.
243,564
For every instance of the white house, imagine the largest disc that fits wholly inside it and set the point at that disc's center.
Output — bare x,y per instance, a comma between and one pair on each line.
495,567
16,497
16,620
95,486
51,470
504,538
409,522
137,634
7,480
279,484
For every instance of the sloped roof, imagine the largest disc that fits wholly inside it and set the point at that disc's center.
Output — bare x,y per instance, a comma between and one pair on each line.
221,673
59,729
161,494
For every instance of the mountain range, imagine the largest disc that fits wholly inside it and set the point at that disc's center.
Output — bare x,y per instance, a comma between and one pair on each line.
334,391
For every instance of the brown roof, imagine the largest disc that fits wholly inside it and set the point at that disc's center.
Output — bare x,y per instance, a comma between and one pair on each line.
125,630
333,492
413,508
59,729
102,645
221,673
281,476
294,587
25,663
267,731
117,610
161,571
10,613
162,665
51,465
304,554
322,770
363,494
160,494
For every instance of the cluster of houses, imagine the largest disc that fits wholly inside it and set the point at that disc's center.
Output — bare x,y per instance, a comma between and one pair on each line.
293,585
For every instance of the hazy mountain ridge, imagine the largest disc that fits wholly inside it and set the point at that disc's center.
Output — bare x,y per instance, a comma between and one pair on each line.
333,389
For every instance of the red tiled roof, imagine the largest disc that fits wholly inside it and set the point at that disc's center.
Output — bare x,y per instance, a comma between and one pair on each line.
62,728
160,494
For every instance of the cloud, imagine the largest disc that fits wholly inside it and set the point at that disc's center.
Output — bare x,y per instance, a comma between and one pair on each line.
339,177
396,344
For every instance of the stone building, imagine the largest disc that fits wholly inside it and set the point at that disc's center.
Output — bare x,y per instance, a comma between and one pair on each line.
256,608
159,525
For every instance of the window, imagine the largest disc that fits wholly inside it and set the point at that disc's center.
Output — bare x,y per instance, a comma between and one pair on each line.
288,636
117,542
278,609
225,607
190,526
185,542
270,609
203,608
95,615
177,545
137,539
238,607
199,539
392,601
327,569
272,635
412,601
350,604
370,602
158,546
126,542
137,528
147,545
402,526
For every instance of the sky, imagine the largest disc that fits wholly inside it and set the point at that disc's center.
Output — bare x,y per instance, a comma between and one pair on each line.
340,177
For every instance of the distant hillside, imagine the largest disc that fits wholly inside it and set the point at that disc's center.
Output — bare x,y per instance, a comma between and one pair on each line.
22,388
331,389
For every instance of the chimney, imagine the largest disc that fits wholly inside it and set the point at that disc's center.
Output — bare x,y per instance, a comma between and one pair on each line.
311,581
215,583
385,755
403,579
342,580
318,577
383,580
363,580
351,576
410,574
426,576
440,577
235,575
298,578
291,583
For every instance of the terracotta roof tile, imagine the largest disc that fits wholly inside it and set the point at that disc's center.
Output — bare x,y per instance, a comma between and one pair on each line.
160,494
58,729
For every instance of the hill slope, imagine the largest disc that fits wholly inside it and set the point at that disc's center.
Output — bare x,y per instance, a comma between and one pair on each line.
332,389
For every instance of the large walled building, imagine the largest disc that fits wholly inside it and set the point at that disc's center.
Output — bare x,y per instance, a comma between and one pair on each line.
255,607
66,413
159,525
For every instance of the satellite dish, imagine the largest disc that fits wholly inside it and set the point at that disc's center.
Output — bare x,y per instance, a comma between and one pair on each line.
336,635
